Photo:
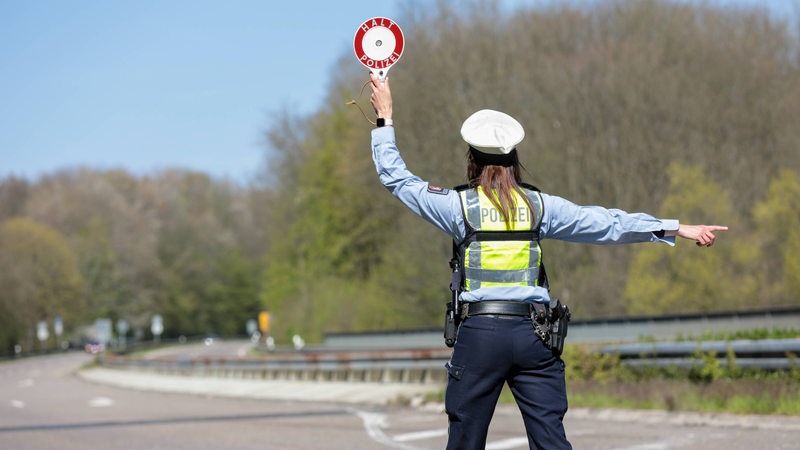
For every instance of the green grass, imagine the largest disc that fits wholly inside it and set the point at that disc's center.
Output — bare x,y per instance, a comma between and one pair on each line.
595,380
730,396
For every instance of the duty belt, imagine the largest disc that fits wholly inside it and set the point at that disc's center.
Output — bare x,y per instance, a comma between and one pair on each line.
500,307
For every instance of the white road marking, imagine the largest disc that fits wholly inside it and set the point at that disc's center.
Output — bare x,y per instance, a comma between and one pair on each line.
100,402
653,446
27,382
508,443
674,442
374,424
17,403
420,435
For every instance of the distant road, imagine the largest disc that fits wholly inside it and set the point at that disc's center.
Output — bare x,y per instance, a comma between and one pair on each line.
44,405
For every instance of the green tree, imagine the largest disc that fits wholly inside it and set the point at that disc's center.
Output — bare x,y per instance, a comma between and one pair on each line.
195,247
233,293
778,224
328,230
39,279
103,285
110,221
687,279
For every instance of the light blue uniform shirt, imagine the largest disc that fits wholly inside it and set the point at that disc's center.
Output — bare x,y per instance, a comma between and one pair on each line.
562,219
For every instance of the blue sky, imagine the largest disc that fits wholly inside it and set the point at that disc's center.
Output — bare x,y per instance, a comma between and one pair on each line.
145,85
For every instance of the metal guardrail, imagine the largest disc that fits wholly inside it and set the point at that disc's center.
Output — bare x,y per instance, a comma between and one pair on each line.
426,366
767,354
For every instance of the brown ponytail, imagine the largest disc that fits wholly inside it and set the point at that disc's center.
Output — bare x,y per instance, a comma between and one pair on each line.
498,183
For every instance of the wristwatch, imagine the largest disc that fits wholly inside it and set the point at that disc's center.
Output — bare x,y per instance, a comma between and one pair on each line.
383,122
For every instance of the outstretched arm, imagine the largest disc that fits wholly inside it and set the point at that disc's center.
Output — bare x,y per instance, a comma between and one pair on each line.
703,235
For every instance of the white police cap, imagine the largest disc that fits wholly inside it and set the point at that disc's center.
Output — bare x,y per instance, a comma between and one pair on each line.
492,132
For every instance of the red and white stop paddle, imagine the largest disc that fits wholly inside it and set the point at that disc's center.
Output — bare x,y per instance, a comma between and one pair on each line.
378,44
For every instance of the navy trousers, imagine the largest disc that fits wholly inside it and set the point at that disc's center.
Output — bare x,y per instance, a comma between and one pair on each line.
491,351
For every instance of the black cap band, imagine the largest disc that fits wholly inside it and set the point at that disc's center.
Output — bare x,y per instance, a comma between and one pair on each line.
494,159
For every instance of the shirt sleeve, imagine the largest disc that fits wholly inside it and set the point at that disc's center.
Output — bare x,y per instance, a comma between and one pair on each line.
441,207
564,220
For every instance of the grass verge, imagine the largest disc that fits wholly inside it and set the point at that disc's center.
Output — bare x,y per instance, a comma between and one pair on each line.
596,380
725,395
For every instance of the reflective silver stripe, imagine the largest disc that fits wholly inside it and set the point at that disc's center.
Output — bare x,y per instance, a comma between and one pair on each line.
535,261
473,264
535,255
472,211
472,208
529,276
536,198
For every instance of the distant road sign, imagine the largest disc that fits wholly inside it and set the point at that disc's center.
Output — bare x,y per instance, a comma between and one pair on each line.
157,325
263,321
251,326
58,326
41,331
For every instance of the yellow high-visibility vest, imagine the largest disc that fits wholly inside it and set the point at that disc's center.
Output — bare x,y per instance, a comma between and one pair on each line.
493,254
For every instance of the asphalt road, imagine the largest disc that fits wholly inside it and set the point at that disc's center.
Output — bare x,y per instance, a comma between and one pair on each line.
45,405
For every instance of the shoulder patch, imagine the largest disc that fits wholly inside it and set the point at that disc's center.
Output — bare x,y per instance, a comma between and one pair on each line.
437,190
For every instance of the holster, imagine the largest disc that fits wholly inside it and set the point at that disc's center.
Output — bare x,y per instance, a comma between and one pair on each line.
558,319
452,316
451,320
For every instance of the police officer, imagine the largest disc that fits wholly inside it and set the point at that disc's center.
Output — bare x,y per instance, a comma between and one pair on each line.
501,281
